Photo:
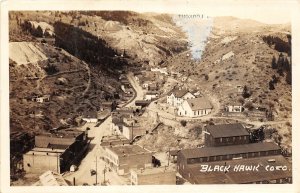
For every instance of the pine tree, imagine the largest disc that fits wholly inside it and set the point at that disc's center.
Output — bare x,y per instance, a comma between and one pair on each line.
274,64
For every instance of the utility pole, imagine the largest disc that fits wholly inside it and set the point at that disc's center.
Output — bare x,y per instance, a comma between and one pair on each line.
96,171
104,171
169,158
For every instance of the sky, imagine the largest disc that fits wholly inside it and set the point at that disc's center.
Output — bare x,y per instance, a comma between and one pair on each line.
266,11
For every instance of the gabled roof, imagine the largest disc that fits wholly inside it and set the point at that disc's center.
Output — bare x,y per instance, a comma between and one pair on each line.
178,92
199,103
227,130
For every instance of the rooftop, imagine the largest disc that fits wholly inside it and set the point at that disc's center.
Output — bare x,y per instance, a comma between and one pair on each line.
226,150
62,134
178,92
227,130
50,178
113,139
42,150
199,103
128,150
241,177
154,170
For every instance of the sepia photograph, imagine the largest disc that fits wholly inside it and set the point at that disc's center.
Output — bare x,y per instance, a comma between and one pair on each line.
110,97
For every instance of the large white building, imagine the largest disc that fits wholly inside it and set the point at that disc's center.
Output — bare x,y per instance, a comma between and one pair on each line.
177,96
195,107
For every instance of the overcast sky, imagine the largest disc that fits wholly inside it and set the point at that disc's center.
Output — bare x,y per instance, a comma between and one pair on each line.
266,11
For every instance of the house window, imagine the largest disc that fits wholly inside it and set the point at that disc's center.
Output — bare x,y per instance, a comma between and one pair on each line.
221,139
233,138
194,112
185,112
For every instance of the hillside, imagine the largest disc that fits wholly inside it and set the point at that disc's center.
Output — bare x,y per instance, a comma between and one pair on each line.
239,53
76,58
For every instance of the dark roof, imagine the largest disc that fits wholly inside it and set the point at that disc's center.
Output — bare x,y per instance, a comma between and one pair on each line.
227,130
90,114
178,92
57,146
240,177
199,103
174,152
227,150
152,93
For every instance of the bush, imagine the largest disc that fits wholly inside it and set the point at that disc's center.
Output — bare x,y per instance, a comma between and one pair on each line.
183,123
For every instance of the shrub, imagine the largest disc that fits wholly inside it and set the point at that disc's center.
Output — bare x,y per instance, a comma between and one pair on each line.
183,123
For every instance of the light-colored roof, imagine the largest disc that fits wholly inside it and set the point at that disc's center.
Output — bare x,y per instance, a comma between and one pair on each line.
154,170
199,103
128,150
50,178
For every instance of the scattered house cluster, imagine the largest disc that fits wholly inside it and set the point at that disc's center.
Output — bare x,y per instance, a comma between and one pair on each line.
228,145
56,151
124,123
125,85
150,80
188,104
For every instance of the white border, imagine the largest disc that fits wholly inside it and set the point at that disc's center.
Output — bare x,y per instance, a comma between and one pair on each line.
256,9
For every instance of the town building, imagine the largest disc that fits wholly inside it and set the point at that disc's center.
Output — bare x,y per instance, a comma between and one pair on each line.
50,178
124,158
237,172
234,108
195,107
90,116
114,140
153,87
176,96
226,134
188,157
153,176
126,125
56,151
142,103
151,95
42,99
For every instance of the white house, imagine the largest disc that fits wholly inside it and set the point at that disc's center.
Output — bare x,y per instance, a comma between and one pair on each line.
177,96
151,95
195,107
42,99
236,108
90,117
